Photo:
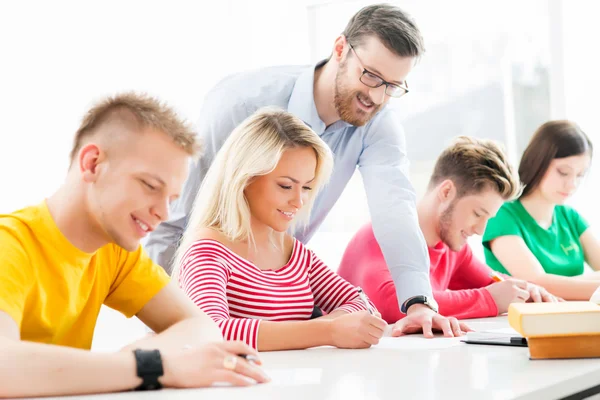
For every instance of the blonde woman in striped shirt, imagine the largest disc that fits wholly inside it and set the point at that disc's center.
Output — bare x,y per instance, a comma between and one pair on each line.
236,261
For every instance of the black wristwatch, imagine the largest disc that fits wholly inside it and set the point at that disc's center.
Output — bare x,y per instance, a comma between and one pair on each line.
149,368
428,301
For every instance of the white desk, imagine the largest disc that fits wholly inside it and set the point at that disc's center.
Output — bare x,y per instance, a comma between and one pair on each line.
450,371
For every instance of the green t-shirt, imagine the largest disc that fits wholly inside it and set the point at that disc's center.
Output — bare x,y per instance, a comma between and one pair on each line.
557,248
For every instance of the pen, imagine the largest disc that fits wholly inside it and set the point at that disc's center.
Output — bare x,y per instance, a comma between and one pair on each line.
363,297
496,277
250,358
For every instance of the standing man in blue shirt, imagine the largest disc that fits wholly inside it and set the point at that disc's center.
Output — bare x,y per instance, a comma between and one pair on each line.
344,100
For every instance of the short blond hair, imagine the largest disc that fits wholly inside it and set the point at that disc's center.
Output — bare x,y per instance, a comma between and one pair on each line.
475,165
253,149
141,110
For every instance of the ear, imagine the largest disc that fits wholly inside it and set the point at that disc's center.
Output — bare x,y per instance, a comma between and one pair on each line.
88,159
446,191
339,46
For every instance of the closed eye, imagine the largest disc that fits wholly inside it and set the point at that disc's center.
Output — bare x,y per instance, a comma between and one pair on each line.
477,215
285,187
149,186
306,188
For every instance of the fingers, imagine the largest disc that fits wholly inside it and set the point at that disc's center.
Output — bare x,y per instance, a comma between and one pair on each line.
241,366
398,328
249,370
377,322
225,375
519,283
546,296
238,347
534,294
443,324
373,335
427,326
465,328
456,329
522,295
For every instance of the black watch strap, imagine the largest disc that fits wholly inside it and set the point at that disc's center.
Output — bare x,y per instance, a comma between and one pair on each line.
149,368
419,300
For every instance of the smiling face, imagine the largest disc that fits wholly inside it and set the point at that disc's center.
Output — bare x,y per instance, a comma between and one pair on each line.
461,217
130,185
355,102
275,198
563,177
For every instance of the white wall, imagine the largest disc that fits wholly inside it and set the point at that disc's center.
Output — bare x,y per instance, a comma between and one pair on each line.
60,56
582,89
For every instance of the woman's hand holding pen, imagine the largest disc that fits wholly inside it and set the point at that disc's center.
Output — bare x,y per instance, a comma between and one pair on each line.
356,330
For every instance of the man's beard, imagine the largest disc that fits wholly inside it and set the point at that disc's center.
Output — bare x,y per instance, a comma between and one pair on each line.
446,227
344,99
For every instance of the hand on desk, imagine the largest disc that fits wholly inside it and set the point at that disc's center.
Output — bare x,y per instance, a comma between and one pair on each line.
422,318
538,294
205,365
517,291
357,330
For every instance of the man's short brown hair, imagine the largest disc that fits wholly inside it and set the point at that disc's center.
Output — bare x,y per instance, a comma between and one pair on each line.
139,111
395,28
475,165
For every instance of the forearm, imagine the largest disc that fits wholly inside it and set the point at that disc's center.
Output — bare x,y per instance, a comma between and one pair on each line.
32,369
468,303
591,276
569,288
194,332
294,335
334,314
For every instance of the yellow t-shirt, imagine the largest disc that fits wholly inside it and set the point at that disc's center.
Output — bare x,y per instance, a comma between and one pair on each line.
54,291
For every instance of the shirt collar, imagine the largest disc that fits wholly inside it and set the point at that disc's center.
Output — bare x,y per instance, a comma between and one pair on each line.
302,102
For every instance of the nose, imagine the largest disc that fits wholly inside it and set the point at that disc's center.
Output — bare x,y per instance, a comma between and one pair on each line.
571,184
297,199
378,94
161,210
479,228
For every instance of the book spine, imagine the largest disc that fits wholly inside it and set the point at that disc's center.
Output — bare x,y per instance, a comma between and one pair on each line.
561,347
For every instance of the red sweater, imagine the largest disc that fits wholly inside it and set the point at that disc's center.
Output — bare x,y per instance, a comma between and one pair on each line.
457,278
237,294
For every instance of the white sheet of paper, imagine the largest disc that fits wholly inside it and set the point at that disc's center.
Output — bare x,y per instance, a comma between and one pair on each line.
417,342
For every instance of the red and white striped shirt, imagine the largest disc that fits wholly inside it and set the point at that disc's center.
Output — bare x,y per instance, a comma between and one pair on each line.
237,294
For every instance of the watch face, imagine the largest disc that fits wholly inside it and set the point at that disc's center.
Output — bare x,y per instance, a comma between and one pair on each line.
430,301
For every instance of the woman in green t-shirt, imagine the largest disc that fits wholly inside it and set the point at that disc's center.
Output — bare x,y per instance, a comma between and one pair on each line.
537,238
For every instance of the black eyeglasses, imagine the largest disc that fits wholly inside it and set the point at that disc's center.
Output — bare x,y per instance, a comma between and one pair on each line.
374,81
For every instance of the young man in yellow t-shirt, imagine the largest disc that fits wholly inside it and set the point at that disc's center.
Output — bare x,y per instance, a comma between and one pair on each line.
62,259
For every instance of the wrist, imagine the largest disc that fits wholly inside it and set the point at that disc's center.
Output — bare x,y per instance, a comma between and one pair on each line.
168,380
416,307
127,362
326,331
149,368
490,301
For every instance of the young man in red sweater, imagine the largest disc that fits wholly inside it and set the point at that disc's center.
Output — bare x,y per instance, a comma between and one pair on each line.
470,181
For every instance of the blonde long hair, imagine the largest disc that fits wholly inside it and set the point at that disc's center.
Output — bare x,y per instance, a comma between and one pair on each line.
253,149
